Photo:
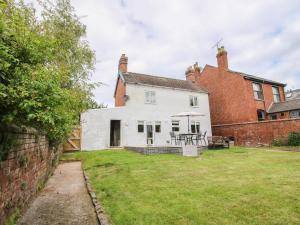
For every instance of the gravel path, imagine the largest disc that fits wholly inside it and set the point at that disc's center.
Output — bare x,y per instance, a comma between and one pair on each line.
64,200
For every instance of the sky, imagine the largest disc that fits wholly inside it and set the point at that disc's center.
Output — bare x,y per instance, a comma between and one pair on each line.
165,37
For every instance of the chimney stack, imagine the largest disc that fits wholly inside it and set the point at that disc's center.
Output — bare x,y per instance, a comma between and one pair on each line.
192,72
123,63
222,58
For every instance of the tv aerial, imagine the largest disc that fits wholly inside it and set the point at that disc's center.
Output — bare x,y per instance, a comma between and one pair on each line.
217,44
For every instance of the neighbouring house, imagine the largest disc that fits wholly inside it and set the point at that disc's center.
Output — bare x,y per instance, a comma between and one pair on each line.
292,94
290,108
241,104
142,116
235,96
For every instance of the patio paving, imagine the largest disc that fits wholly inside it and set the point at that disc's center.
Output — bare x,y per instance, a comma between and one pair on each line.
63,201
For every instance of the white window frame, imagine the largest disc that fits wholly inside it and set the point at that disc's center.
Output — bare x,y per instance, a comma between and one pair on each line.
197,127
276,94
194,101
259,90
295,114
150,97
157,123
175,125
141,122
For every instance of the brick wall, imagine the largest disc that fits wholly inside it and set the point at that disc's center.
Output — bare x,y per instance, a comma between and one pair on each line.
231,96
257,133
29,163
120,93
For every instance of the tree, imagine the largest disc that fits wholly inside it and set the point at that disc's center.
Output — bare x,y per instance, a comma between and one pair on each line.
45,66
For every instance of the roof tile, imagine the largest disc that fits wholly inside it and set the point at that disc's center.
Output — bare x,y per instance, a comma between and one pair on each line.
138,78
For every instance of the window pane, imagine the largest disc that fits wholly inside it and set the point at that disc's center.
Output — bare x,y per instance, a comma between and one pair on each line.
257,87
275,90
198,128
150,97
191,100
141,126
153,99
175,126
157,126
260,115
295,114
193,128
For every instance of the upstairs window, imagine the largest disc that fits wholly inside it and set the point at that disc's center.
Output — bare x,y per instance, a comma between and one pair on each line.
141,126
193,101
261,115
276,94
175,125
157,126
258,93
195,127
150,97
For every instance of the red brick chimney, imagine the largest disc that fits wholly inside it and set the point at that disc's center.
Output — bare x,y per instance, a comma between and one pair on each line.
222,58
123,63
192,72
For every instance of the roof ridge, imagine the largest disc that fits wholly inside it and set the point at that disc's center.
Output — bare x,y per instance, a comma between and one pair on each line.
151,75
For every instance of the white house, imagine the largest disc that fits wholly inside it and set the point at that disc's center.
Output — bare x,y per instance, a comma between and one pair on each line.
143,114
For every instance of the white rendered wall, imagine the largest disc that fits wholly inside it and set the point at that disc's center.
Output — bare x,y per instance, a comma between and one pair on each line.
96,123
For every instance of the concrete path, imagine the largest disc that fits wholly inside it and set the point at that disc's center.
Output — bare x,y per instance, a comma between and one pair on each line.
64,200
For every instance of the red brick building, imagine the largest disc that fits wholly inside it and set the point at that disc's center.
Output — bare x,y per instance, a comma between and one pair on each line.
235,96
241,104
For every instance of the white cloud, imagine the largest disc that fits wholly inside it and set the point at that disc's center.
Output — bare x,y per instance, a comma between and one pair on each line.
164,37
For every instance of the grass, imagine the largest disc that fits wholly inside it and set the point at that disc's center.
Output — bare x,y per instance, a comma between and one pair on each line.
238,186
13,218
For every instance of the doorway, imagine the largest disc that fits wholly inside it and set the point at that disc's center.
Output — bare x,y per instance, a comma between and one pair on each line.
115,133
149,134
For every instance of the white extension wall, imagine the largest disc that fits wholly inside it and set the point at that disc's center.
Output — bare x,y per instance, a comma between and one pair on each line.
96,122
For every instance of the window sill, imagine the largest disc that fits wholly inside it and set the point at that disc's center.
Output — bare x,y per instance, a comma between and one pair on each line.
259,100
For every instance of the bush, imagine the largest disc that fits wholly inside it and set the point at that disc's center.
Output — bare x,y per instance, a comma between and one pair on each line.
45,66
294,139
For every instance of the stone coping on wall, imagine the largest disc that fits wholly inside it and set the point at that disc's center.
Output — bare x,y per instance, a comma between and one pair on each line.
149,150
256,122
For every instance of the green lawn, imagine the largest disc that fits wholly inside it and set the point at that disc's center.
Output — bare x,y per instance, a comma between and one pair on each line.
237,186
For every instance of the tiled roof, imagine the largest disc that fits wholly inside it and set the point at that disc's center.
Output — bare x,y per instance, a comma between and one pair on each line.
285,106
292,95
138,78
256,78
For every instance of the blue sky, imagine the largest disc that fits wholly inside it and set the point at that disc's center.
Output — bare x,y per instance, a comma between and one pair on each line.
165,37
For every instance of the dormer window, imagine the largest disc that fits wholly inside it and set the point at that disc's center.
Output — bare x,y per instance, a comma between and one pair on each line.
258,92
193,101
150,97
276,94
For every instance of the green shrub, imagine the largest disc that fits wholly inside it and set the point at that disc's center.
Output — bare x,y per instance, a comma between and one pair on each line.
45,67
294,139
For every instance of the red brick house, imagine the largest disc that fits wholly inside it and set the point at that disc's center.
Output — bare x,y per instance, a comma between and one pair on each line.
238,99
235,96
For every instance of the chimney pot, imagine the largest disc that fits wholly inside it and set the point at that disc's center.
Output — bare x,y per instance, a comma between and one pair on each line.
192,72
123,63
222,58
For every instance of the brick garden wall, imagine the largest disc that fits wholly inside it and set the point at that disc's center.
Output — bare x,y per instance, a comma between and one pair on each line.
29,163
257,133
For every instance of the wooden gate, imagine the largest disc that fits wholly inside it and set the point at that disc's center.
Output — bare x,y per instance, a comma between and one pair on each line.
73,142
